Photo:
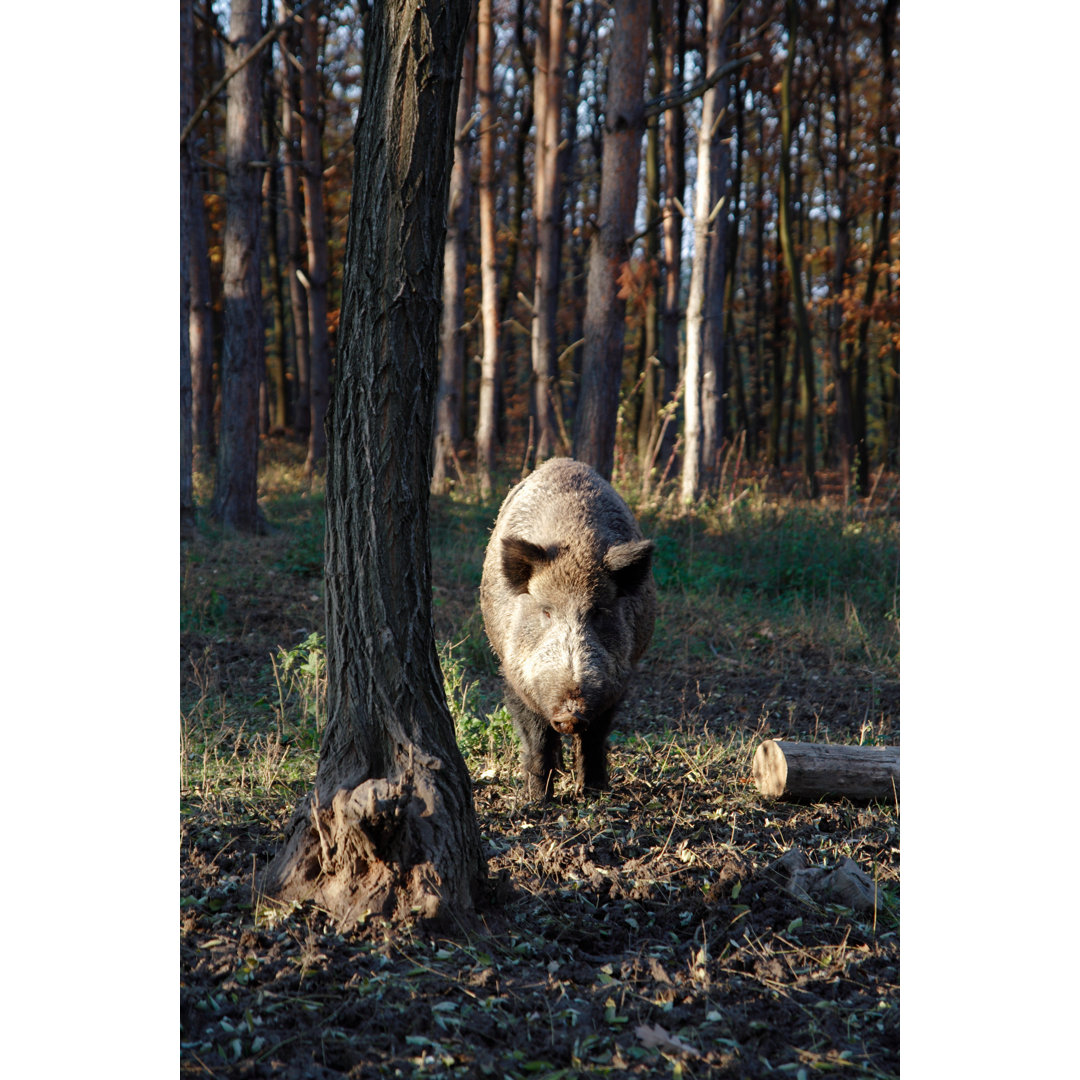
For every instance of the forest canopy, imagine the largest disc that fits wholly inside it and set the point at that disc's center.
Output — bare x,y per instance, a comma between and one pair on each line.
724,177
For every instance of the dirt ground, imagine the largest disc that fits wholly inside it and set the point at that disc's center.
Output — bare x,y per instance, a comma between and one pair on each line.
637,934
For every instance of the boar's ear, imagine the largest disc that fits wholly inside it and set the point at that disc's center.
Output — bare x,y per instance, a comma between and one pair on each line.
629,564
520,559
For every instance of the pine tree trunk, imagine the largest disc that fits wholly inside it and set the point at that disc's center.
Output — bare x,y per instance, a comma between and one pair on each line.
448,403
390,827
547,97
236,484
318,262
187,63
605,313
294,216
489,314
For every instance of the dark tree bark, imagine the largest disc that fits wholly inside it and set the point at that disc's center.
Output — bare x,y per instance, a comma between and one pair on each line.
187,63
451,395
294,216
390,827
605,314
804,348
236,484
318,262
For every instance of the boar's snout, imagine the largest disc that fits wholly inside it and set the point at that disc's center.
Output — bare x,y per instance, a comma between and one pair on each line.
571,717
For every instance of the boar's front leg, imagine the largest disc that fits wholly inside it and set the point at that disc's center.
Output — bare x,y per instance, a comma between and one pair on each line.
541,748
590,755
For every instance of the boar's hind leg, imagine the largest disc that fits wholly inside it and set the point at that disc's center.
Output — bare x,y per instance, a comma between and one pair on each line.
541,748
590,755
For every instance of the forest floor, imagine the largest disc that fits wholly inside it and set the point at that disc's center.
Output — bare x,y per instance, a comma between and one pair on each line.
639,933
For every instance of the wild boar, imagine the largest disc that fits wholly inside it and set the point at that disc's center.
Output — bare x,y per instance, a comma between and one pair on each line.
569,603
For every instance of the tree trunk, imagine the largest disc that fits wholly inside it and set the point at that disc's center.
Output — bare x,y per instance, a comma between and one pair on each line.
452,334
708,229
278,419
674,192
547,97
187,64
236,484
887,172
318,263
294,215
648,419
489,314
841,83
390,827
712,341
804,346
605,313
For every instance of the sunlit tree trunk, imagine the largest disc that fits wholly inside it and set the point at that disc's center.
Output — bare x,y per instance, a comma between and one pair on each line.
547,97
804,347
448,403
187,104
489,301
708,229
713,359
390,827
294,229
318,260
236,483
605,313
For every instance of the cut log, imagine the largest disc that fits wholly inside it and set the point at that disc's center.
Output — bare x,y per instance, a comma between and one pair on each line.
811,770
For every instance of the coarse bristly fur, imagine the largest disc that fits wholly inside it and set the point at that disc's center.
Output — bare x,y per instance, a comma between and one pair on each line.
569,603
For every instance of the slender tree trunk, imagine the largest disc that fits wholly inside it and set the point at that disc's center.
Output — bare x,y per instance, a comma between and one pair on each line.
672,223
278,406
841,83
740,413
887,172
448,403
201,325
712,343
318,262
776,380
605,314
804,346
648,422
294,216
187,64
390,826
547,96
708,230
489,363
236,484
